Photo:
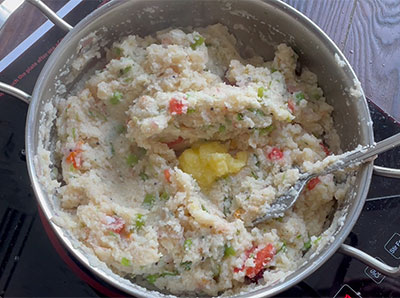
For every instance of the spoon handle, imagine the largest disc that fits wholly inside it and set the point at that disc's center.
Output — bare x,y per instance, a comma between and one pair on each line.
365,153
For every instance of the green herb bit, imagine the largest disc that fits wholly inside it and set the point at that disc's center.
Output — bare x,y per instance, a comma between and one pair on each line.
125,70
265,130
240,116
125,262
299,96
121,129
317,240
298,236
112,234
280,219
149,200
255,176
73,133
139,223
116,98
91,114
260,92
260,113
283,247
186,265
168,273
112,149
273,69
203,208
118,51
132,160
217,272
190,110
229,251
198,41
71,168
257,163
307,245
143,176
187,244
221,128
152,278
164,196
251,110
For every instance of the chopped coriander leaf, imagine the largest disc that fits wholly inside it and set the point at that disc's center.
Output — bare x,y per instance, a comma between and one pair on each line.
132,160
152,278
307,245
204,208
298,236
187,244
143,176
167,273
260,112
190,110
221,128
229,251
118,51
317,240
139,223
121,129
198,41
91,114
255,176
251,110
149,200
125,70
239,116
125,262
112,234
299,96
257,160
260,92
112,149
164,196
116,98
283,247
265,130
273,69
186,265
73,133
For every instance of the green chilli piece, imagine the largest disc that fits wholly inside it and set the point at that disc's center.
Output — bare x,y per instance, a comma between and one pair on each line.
149,200
187,244
116,98
125,70
198,41
229,251
221,128
240,116
186,265
283,248
125,262
139,223
132,160
152,278
298,236
307,245
299,96
317,240
260,92
190,110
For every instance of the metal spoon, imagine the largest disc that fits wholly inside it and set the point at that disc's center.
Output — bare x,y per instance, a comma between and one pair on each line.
359,155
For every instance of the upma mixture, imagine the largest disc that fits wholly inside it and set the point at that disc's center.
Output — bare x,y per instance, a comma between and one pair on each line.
172,150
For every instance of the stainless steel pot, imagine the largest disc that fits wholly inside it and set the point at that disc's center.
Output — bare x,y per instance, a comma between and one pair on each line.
257,24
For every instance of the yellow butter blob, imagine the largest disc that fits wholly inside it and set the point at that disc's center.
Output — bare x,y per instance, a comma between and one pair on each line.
209,161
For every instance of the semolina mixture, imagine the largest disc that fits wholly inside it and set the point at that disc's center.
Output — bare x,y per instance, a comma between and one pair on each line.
172,150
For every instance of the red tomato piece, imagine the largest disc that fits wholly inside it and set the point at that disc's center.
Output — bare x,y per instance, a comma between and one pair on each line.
167,175
174,143
177,107
313,182
263,257
325,148
275,154
290,105
74,157
115,224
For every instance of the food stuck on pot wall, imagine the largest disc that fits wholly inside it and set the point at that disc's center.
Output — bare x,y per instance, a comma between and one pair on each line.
172,150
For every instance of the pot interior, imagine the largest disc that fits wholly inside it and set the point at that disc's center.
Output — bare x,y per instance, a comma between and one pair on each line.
257,25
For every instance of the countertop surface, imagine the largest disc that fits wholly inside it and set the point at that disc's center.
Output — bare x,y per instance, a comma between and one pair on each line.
367,32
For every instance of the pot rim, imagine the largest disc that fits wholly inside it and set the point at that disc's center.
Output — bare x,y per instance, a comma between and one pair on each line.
32,130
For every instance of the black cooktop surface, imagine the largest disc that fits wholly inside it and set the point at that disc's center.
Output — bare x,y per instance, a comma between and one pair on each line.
32,266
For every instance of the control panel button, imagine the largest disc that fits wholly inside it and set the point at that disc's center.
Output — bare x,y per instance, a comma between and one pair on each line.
346,292
373,274
393,246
